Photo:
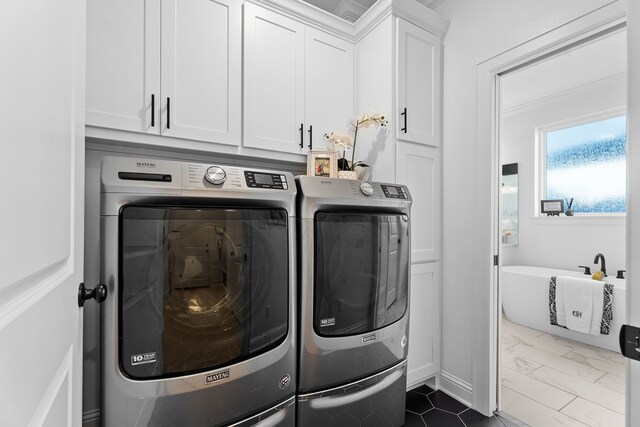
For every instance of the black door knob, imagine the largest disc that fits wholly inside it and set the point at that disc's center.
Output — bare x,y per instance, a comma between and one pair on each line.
99,294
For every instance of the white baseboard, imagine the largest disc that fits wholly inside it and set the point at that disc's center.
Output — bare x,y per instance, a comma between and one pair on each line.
456,388
417,377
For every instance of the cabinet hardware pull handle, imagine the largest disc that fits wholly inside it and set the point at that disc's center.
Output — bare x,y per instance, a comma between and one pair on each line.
301,135
153,110
168,113
310,137
404,113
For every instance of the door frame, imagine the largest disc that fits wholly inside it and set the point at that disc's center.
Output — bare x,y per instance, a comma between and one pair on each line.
485,293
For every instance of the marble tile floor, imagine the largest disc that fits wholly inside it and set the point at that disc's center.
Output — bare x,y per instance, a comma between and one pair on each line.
553,381
430,408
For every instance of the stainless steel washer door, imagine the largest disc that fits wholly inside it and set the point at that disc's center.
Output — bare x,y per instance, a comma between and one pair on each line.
200,288
361,283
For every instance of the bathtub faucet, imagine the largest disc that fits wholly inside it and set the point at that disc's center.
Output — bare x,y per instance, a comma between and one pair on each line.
600,257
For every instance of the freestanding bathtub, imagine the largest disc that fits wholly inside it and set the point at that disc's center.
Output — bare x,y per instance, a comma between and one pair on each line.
525,300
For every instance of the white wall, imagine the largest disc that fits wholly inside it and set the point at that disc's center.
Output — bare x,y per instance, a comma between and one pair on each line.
479,30
564,242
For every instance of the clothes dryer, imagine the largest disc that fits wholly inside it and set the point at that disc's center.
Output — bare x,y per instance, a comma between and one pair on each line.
354,296
199,324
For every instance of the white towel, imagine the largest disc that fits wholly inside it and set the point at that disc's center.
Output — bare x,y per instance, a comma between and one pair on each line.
598,305
560,313
578,302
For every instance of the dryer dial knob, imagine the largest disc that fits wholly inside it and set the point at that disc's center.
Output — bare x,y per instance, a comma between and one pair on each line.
366,188
215,175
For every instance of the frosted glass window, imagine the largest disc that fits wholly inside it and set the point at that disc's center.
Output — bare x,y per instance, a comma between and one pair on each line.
588,163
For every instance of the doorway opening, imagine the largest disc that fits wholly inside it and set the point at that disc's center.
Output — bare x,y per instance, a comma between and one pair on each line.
561,132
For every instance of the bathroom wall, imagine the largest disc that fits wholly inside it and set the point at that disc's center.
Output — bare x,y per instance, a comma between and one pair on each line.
564,242
479,31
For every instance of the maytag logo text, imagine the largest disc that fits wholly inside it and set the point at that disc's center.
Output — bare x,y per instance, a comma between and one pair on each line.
218,376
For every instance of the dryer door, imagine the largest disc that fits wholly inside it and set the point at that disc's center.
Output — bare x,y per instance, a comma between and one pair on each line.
361,272
200,287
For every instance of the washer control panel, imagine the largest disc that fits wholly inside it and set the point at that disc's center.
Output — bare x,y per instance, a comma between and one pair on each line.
393,192
266,180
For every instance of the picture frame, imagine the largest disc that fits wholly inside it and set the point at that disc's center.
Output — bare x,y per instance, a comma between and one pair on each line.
552,207
322,164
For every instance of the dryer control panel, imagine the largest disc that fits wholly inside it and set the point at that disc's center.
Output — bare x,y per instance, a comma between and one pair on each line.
203,176
393,191
266,180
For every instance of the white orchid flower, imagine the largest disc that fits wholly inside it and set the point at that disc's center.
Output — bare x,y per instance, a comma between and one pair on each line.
337,140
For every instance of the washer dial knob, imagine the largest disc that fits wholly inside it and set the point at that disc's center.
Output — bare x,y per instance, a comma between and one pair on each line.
215,175
366,188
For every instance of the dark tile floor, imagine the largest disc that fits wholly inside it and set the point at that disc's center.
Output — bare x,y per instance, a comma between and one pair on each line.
430,408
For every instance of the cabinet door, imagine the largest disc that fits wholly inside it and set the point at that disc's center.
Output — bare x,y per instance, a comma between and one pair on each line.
418,167
201,70
424,323
123,64
418,85
274,81
328,85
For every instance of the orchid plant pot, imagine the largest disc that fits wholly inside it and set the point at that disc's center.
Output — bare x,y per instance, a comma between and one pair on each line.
347,175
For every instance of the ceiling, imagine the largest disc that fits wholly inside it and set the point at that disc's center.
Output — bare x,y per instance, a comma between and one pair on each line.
349,10
352,10
581,66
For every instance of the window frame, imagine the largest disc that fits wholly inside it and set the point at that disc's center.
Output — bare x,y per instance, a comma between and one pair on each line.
541,154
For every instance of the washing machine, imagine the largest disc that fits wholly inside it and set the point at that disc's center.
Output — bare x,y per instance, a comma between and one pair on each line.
354,245
198,327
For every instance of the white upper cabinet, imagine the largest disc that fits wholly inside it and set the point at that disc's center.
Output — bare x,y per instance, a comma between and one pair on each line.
273,81
418,85
298,83
201,71
165,67
123,64
328,85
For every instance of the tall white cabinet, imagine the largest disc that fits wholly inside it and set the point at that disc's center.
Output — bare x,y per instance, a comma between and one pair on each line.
166,67
408,89
419,167
298,82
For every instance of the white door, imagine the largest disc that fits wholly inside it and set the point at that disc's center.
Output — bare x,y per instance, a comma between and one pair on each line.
328,85
418,85
123,64
418,167
201,69
273,81
41,187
